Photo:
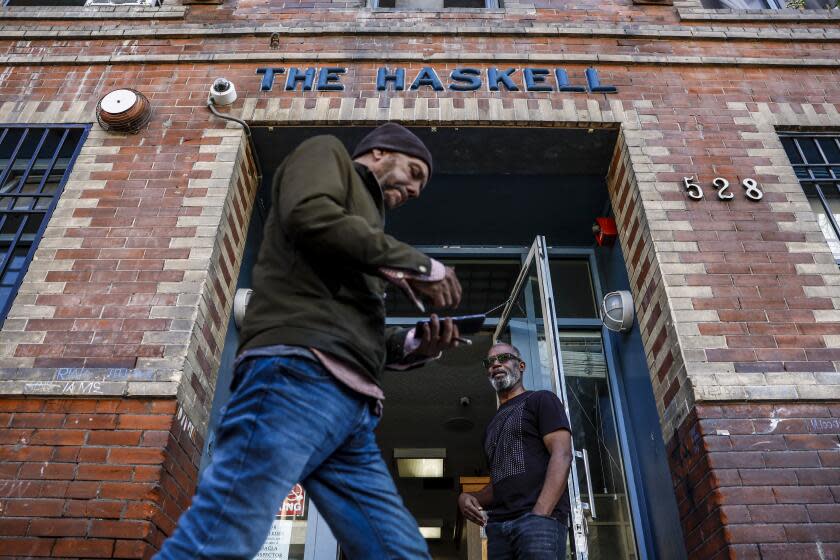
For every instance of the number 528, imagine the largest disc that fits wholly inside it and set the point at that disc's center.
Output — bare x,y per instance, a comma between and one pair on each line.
752,189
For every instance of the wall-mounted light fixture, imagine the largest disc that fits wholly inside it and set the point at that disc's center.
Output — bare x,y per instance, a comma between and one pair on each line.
420,462
617,311
240,304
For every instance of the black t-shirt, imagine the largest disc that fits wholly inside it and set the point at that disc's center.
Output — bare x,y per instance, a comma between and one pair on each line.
517,456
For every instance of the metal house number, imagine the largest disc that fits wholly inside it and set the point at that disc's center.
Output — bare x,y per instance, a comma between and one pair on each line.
752,190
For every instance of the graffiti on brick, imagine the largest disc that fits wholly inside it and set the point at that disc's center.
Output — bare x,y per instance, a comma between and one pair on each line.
186,423
65,387
14,488
111,374
825,425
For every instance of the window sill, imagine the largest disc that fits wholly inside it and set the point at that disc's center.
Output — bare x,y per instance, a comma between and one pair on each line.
693,10
99,11
440,10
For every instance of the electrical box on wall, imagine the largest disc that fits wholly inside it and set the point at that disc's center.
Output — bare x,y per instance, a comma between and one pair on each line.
605,231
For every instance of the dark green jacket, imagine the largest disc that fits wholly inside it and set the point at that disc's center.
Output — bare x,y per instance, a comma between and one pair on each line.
315,282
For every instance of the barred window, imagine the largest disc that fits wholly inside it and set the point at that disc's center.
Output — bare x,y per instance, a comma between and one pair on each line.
35,162
44,3
816,160
79,3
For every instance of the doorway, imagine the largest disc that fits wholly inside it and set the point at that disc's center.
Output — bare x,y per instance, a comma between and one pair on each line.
564,348
439,412
493,191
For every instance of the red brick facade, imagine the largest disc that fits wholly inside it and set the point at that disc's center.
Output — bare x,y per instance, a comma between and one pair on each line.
759,480
93,478
738,301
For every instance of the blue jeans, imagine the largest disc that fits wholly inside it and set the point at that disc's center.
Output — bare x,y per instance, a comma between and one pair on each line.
528,537
289,421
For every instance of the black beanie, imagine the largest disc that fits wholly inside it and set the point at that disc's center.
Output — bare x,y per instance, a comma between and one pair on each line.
395,138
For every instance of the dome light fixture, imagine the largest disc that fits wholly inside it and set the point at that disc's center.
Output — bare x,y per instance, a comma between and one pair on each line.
617,311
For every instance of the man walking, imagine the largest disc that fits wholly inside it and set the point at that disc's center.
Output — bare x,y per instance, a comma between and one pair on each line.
306,394
529,451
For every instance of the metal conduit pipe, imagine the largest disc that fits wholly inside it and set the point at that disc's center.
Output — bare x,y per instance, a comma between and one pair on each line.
254,155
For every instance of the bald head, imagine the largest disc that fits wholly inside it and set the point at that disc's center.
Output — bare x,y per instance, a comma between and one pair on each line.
504,347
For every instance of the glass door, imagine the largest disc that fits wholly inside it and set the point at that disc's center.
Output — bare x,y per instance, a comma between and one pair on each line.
571,363
594,431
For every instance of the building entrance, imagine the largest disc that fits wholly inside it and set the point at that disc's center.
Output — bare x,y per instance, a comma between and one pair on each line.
493,190
432,432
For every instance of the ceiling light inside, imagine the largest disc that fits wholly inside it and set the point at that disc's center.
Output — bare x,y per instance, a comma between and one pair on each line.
420,462
431,528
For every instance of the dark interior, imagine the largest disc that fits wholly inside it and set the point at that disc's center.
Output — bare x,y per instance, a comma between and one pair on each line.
491,187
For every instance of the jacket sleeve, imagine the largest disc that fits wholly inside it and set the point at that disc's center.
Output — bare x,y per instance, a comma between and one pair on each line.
311,194
396,358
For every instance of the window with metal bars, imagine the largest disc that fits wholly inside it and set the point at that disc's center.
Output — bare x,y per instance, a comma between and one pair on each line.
66,3
35,162
816,161
79,3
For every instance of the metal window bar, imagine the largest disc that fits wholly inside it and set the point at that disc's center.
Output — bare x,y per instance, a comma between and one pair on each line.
821,176
35,162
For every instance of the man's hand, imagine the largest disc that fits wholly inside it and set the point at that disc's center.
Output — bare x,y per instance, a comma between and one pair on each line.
443,293
436,336
469,506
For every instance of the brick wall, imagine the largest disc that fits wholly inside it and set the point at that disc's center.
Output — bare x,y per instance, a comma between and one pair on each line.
738,302
92,478
637,234
759,480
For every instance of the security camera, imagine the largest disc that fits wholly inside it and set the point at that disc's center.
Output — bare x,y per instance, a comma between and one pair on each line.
222,92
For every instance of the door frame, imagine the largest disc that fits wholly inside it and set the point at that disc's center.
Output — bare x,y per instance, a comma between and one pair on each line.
321,544
627,445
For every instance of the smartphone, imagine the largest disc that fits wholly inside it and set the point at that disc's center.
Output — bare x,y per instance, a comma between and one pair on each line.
467,324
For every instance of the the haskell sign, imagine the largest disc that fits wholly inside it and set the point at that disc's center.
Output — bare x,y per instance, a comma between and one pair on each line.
460,79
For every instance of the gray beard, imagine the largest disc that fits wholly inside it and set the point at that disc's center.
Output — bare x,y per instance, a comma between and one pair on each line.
506,382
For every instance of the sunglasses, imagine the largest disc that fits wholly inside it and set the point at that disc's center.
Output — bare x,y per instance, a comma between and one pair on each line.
501,358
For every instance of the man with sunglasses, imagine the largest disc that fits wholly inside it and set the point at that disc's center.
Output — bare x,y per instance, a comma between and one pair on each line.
528,445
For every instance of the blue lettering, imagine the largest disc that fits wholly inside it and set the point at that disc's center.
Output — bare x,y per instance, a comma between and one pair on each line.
427,77
563,82
495,76
595,84
268,77
383,77
535,79
329,79
469,78
295,76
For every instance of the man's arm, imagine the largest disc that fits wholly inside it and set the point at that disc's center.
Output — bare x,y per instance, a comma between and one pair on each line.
472,503
411,348
559,445
311,197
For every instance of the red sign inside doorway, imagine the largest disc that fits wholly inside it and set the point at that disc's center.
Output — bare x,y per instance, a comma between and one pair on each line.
294,505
